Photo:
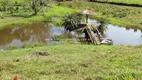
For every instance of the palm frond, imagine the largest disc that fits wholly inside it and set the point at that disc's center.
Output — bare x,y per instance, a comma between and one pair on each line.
70,22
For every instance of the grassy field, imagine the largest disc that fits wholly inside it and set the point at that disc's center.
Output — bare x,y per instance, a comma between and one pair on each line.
72,62
124,1
25,18
114,14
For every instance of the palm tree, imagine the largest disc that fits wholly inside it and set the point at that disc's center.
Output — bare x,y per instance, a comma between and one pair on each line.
70,22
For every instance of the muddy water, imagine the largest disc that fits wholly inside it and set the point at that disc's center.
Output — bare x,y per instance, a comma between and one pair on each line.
19,36
41,32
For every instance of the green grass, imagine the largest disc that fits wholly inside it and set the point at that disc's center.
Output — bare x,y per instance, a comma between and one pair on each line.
54,11
125,1
114,14
72,62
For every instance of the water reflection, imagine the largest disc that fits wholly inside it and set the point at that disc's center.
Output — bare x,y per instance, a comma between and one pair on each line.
121,35
124,36
38,32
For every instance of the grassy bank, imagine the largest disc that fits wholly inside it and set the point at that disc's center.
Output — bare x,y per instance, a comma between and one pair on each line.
25,18
114,14
72,62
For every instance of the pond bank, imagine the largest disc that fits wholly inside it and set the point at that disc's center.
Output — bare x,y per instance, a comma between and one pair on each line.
50,34
53,11
114,14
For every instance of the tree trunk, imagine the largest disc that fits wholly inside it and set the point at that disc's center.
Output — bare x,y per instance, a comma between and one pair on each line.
37,6
35,12
34,7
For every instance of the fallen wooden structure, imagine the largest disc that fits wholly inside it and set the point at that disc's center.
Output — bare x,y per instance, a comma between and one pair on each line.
92,33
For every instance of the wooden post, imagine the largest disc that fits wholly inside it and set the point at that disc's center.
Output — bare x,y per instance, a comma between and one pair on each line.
94,39
87,19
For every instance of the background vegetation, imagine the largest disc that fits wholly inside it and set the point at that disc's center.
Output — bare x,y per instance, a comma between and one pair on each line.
124,1
19,12
114,14
15,11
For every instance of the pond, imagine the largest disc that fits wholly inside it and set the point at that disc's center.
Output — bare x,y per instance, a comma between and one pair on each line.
122,35
31,33
42,32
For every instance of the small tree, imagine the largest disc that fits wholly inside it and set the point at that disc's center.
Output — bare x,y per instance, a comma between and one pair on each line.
37,5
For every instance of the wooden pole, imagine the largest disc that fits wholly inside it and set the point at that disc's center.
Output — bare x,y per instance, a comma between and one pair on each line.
86,19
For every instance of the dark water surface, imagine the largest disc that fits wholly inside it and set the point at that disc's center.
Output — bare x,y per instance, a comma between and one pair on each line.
41,32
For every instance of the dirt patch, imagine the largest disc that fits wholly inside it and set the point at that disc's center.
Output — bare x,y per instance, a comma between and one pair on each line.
41,53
